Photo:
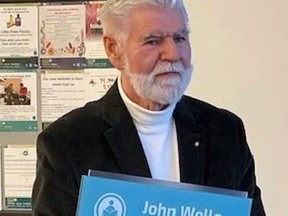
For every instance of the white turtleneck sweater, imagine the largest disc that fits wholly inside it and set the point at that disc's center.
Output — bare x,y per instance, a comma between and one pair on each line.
157,133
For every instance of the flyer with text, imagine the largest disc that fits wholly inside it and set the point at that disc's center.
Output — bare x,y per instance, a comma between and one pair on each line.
19,164
62,91
19,31
62,31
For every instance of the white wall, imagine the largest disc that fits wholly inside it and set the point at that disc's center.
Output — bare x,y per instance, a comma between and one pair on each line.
240,55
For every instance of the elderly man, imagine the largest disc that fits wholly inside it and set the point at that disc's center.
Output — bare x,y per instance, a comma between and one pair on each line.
144,126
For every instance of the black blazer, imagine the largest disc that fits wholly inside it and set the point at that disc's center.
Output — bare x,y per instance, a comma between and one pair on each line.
101,136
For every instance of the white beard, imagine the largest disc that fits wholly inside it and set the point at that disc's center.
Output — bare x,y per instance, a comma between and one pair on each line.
162,90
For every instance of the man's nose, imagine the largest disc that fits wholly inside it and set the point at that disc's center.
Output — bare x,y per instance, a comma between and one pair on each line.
169,50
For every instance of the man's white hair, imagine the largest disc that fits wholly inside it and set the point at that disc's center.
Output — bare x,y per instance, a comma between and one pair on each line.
115,13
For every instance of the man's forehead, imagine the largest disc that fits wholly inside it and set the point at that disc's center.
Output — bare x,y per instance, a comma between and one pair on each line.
154,20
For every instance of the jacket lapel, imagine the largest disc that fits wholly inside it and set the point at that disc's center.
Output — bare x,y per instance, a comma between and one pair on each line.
191,145
122,136
127,149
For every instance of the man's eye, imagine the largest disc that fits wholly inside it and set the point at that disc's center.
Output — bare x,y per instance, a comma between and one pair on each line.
152,42
179,39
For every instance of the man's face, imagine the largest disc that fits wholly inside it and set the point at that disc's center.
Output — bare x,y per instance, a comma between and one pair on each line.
157,61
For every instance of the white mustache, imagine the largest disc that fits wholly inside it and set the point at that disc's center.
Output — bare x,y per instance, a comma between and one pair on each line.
164,67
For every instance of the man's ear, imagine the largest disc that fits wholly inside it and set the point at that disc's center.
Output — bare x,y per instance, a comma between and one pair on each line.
113,52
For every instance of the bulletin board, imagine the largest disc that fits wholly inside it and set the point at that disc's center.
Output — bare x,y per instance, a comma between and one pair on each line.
52,61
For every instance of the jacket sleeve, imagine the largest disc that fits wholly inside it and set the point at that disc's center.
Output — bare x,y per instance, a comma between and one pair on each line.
56,186
248,182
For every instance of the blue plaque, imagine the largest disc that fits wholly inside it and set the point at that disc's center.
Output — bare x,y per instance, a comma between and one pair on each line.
107,194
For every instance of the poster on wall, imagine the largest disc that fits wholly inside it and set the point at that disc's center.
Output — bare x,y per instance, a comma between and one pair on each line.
95,52
19,170
18,36
18,101
62,36
19,31
94,31
63,91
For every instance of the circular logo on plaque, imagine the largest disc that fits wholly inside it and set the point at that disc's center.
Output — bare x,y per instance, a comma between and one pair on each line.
110,204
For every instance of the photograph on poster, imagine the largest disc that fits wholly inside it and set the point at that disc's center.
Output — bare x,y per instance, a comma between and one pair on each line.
18,101
14,92
19,31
